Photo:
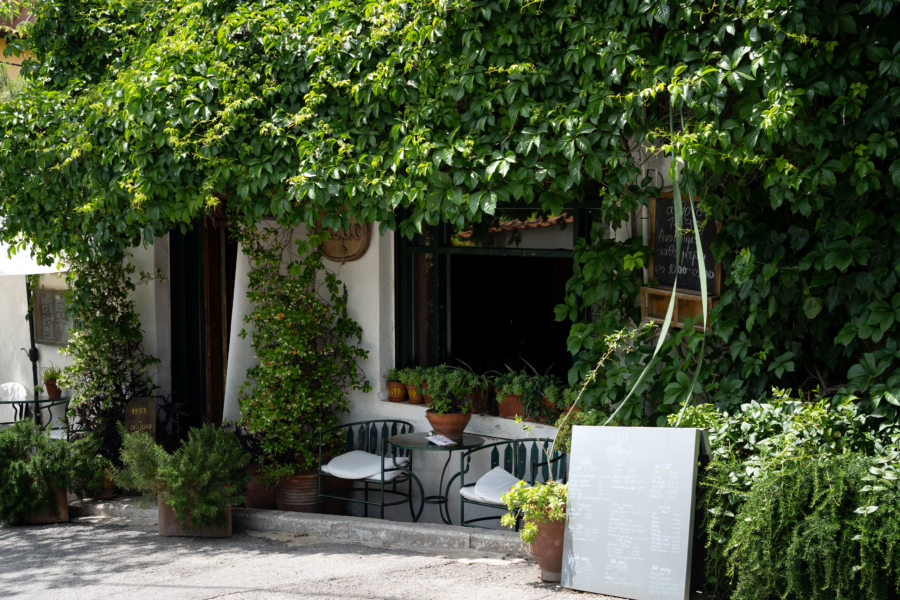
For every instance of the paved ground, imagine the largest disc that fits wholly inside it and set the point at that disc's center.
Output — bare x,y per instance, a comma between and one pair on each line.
114,557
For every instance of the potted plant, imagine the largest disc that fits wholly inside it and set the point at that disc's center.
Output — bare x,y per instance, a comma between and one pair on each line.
38,470
307,348
451,392
51,374
412,378
195,485
258,493
542,508
396,388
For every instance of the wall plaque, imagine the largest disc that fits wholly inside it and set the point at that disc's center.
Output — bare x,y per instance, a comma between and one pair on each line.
345,245
50,323
630,511
140,415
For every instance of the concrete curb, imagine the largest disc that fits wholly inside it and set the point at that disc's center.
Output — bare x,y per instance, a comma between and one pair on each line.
420,536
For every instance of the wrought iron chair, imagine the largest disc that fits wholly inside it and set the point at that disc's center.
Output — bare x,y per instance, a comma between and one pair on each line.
510,461
373,473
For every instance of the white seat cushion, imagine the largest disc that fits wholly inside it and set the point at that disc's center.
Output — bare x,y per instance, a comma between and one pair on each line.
491,486
359,464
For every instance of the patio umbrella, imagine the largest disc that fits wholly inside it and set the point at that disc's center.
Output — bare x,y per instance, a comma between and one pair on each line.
21,264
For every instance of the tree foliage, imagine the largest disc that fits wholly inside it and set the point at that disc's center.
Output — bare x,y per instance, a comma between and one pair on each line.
141,116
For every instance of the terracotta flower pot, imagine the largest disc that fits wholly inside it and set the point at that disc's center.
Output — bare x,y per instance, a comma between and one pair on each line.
451,425
512,406
414,396
547,549
169,526
257,494
299,493
396,391
53,390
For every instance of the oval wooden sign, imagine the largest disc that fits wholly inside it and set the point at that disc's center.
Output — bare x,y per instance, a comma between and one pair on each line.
345,245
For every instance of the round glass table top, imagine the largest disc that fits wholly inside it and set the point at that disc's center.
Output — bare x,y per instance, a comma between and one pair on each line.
419,441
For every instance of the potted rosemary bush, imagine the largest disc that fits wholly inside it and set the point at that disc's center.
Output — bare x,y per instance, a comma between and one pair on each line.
195,485
38,470
307,347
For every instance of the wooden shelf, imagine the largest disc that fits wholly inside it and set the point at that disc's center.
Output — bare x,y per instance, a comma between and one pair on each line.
655,302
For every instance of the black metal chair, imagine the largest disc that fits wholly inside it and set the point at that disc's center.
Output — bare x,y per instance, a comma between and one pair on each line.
370,471
527,459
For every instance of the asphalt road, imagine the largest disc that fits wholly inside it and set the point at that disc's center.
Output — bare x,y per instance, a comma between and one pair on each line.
106,557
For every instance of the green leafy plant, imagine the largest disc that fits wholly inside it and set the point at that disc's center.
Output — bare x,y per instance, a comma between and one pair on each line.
33,465
806,485
393,375
109,366
535,504
51,373
306,345
413,376
199,480
450,389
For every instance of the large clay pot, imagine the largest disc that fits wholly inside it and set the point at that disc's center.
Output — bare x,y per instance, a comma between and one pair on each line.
451,425
170,527
512,406
396,391
58,513
547,549
299,493
257,494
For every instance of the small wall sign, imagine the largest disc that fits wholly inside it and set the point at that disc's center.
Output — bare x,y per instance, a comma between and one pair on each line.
50,323
345,245
140,416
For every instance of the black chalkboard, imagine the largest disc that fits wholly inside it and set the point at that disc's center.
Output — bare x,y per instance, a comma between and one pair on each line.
662,241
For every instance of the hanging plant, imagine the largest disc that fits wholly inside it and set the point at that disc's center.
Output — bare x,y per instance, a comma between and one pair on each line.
306,345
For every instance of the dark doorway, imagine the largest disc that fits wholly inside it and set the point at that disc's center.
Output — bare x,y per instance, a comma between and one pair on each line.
501,312
202,288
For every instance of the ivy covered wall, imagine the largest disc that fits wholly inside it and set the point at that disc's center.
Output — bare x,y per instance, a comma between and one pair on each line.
141,116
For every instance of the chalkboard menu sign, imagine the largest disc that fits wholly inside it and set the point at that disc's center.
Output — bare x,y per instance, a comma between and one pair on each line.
630,511
663,232
50,323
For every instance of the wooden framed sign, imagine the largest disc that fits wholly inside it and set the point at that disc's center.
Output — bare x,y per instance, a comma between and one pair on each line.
662,240
345,245
50,323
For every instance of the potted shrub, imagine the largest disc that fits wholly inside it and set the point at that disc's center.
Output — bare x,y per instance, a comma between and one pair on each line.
38,470
51,375
195,485
542,508
396,388
451,392
307,349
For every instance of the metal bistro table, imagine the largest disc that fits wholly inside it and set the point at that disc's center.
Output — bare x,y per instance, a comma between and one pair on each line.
418,441
23,409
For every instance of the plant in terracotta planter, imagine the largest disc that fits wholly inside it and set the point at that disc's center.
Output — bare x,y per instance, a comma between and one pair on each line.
396,388
51,375
413,378
198,482
451,404
542,508
37,471
307,349
257,493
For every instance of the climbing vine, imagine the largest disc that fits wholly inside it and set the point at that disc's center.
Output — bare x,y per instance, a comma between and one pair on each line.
139,117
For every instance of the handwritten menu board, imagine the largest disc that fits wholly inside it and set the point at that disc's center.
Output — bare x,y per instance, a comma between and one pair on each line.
662,240
630,511
50,323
